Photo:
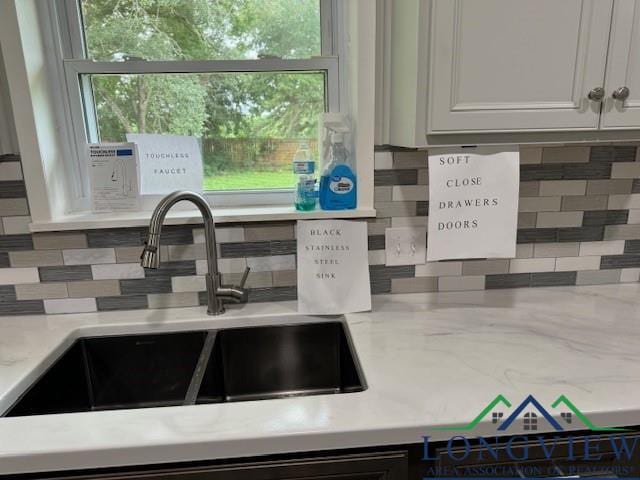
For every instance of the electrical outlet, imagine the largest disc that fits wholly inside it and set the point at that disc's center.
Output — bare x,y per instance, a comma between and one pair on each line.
406,245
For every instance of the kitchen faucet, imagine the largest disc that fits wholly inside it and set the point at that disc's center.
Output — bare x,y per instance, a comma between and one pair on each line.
217,294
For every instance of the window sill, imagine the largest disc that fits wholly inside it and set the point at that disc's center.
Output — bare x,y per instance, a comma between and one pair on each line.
91,221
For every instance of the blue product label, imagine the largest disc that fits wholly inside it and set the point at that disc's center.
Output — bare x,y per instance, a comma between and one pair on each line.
304,167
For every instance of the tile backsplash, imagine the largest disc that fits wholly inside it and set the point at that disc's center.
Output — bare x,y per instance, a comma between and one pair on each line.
579,224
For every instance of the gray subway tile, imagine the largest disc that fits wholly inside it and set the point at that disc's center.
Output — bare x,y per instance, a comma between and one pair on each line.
530,155
395,177
551,279
10,207
22,307
609,153
626,170
577,154
619,261
173,300
273,294
414,285
590,171
118,237
485,267
562,187
529,189
145,285
609,187
282,247
508,280
59,240
422,208
380,272
581,234
41,291
122,302
65,273
598,277
383,194
552,250
257,249
35,258
174,234
379,286
269,232
605,217
15,242
9,157
12,189
172,269
622,232
93,288
527,219
529,173
582,202
7,293
376,242
396,209
632,246
415,159
245,249
559,219
537,235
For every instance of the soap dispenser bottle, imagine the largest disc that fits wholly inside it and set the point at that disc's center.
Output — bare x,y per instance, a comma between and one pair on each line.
338,184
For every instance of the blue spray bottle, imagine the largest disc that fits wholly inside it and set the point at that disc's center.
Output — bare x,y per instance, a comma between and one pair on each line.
338,184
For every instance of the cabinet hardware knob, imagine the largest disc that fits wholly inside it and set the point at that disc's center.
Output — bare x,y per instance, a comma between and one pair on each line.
596,94
621,94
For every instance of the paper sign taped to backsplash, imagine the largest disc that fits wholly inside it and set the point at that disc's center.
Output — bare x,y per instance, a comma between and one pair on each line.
333,267
473,203
168,163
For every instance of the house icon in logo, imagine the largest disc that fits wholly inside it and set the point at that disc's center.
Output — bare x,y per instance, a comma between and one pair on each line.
531,412
530,420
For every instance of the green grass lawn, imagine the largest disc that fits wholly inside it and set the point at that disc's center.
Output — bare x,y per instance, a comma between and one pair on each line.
250,179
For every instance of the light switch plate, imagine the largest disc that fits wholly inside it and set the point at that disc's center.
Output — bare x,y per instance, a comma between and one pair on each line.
405,246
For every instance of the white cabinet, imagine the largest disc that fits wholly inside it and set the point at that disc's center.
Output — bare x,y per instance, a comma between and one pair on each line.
623,67
472,68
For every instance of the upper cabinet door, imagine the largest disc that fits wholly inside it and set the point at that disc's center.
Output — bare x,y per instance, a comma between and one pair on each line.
621,108
525,65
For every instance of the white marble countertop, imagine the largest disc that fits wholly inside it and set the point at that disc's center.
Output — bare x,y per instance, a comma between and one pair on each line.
429,360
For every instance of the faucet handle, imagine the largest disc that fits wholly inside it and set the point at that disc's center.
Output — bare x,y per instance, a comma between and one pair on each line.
243,280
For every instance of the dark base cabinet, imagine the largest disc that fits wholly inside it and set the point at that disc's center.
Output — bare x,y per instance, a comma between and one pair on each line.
547,455
387,465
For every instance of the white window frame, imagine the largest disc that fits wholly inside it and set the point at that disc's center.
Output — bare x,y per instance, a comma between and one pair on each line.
84,119
37,49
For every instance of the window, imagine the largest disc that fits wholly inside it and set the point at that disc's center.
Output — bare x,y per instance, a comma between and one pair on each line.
530,421
247,77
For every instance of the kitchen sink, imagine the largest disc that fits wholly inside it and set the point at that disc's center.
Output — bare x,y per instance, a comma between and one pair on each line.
195,367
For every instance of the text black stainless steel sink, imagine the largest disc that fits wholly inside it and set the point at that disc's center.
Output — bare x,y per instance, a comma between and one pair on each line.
183,368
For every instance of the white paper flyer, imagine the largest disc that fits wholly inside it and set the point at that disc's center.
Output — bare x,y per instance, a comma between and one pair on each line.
473,203
168,163
333,267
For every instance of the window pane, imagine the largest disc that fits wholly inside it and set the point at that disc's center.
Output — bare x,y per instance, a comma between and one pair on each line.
249,124
201,29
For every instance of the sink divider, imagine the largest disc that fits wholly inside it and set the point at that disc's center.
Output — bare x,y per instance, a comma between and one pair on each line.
198,374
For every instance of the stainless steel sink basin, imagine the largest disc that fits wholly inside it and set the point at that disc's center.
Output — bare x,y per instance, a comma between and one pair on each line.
280,361
183,368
